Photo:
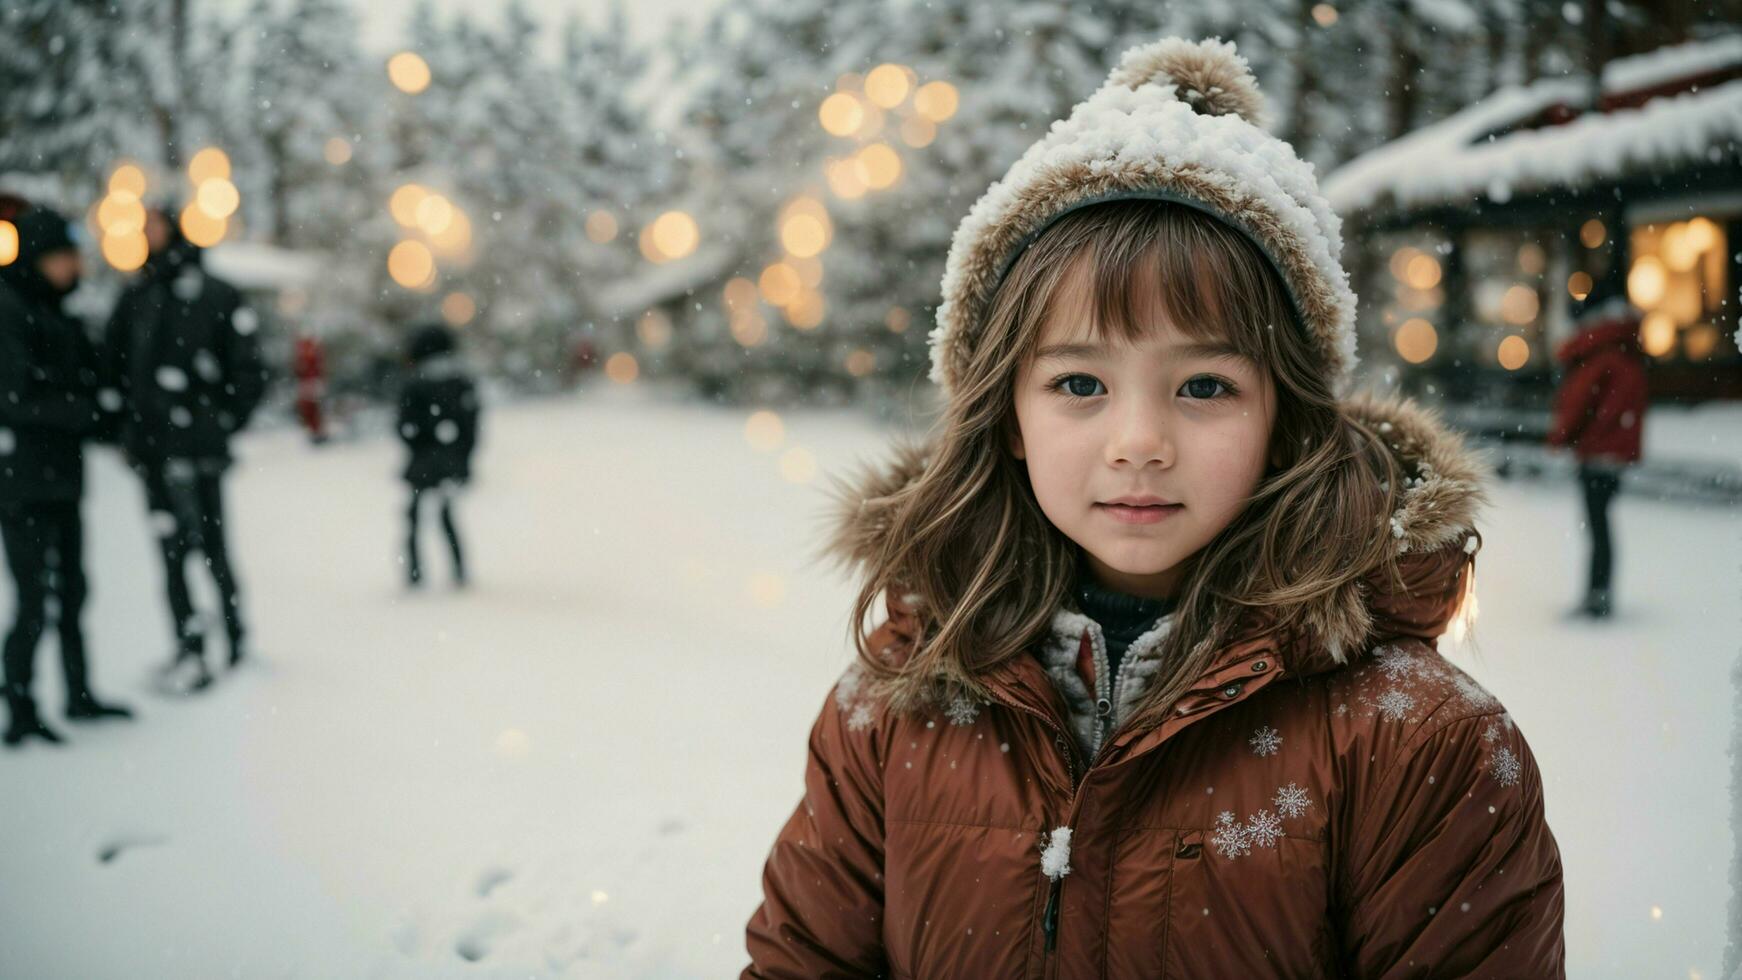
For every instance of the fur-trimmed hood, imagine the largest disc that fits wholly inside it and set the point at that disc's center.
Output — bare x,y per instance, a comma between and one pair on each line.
1434,530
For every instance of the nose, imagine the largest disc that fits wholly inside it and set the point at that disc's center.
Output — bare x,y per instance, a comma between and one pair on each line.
1139,437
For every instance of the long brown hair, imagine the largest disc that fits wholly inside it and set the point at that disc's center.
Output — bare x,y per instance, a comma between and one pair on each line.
967,541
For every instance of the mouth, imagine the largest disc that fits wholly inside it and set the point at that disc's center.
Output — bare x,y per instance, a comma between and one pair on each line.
1139,510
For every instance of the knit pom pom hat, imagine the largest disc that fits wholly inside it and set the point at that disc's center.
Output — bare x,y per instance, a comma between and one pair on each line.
1177,121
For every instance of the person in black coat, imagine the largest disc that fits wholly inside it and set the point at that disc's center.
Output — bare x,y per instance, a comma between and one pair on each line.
438,422
180,348
48,408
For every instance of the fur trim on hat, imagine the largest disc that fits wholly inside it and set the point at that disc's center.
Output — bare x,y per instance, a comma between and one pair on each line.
1174,122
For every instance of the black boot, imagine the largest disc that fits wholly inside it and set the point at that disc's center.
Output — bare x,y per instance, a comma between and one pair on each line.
25,722
84,706
238,648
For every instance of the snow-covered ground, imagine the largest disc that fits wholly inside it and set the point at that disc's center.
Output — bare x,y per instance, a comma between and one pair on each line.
575,767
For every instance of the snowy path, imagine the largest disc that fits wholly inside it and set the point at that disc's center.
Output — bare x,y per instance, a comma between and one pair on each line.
575,768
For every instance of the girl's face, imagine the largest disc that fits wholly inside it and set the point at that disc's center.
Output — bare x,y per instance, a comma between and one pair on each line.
1142,452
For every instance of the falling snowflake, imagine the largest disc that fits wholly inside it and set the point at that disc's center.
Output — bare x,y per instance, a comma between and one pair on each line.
1504,767
1395,705
1264,829
171,378
1230,838
1265,741
962,711
1398,664
860,719
1292,801
847,688
1473,694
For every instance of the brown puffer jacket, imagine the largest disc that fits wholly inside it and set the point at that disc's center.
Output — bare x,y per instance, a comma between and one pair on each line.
1298,816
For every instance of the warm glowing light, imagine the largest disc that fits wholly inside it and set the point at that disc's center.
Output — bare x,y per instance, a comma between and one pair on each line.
740,294
1519,305
601,227
127,179
860,363
886,85
749,327
1579,285
121,214
675,234
1656,912
458,309
935,101
654,329
1531,259
1513,353
209,164
622,368
1416,340
918,133
1400,261
898,320
1324,14
403,204
411,265
127,251
1423,272
841,114
1657,334
797,465
1699,341
1677,248
804,227
882,165
810,271
764,431
408,72
1702,234
780,284
434,214
805,312
218,197
1592,234
337,151
846,178
8,243
456,237
201,228
1646,282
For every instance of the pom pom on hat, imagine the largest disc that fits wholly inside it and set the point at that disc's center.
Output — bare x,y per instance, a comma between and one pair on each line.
1210,76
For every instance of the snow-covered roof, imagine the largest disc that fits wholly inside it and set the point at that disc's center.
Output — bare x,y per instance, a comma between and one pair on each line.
1458,158
255,265
662,283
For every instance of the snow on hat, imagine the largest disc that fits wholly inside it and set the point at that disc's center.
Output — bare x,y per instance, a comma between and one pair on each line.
1177,121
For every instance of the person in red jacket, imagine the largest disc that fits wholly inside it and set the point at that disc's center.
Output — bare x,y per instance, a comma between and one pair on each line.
310,369
1599,413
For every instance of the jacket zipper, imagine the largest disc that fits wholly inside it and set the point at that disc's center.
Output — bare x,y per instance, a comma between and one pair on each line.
1050,918
1049,921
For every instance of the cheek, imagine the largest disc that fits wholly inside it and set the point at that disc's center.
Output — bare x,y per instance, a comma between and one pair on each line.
1227,461
1056,455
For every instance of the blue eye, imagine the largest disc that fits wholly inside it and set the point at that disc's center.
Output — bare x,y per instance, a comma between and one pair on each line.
1078,386
1205,387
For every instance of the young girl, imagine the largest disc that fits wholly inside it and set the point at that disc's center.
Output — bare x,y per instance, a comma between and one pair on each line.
1157,693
